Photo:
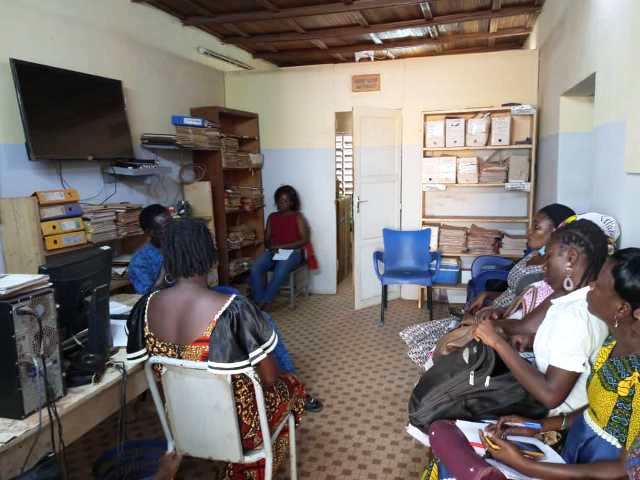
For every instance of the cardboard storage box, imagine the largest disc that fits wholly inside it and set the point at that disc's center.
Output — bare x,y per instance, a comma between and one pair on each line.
521,131
478,131
519,167
468,170
501,129
439,170
454,132
434,132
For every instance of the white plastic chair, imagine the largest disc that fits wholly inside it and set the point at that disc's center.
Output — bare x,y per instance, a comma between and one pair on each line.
200,419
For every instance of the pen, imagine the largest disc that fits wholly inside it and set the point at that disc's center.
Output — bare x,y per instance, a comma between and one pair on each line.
532,425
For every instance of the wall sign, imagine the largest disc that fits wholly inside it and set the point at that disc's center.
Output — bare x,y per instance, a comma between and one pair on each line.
365,83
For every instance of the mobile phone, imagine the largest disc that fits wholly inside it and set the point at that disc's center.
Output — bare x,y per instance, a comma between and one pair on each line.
529,449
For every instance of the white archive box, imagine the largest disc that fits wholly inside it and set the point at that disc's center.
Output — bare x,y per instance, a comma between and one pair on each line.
439,169
478,131
454,132
467,169
500,129
434,132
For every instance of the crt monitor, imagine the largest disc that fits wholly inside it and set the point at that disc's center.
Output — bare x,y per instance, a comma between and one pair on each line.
82,282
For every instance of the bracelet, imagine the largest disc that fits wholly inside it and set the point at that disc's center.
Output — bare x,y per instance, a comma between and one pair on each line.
563,425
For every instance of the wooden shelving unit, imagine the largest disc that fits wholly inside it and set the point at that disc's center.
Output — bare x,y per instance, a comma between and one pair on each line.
245,127
519,221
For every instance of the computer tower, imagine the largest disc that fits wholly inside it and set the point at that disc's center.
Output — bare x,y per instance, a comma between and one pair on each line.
21,369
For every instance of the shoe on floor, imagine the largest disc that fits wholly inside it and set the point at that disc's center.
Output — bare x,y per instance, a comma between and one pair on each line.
312,404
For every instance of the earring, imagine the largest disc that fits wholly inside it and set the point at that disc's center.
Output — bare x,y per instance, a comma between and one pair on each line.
617,321
568,284
168,279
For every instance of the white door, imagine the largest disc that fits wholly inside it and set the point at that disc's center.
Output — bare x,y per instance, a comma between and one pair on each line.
377,148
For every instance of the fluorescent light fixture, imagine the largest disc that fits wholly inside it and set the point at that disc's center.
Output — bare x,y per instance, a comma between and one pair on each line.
224,58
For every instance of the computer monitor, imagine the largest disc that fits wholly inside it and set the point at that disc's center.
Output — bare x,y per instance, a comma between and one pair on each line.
81,282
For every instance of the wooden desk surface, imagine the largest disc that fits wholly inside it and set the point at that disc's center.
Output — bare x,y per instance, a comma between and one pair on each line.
80,410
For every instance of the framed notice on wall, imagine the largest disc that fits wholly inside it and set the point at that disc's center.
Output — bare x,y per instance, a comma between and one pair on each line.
365,83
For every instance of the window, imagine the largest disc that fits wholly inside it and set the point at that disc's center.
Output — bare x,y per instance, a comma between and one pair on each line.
344,164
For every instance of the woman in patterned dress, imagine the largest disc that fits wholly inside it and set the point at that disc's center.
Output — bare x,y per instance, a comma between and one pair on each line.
600,434
191,322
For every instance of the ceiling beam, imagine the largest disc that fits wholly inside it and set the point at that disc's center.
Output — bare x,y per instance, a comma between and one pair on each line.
426,10
295,12
412,42
339,57
269,5
496,5
361,19
295,26
238,31
320,44
341,32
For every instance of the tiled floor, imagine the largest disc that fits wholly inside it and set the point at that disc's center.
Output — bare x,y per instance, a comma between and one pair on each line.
357,368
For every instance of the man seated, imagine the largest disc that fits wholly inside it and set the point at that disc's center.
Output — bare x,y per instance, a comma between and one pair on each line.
145,267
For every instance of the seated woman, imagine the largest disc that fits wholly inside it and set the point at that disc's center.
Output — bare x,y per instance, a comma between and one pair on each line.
189,321
286,229
529,268
601,434
422,338
145,269
568,337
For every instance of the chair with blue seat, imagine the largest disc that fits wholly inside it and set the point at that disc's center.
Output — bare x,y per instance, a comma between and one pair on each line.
484,269
407,261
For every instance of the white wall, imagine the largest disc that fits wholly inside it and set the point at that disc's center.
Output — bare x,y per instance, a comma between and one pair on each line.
297,114
578,38
108,39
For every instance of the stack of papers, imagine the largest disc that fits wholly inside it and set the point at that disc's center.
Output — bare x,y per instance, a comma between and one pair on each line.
13,283
482,241
468,170
194,137
100,223
127,220
513,244
452,239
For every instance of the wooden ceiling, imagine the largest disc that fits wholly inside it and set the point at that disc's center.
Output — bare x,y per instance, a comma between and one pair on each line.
307,32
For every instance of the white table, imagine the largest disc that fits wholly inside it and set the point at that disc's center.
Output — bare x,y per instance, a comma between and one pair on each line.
80,410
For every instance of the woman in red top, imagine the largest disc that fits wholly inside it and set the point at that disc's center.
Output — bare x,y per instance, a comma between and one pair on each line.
287,229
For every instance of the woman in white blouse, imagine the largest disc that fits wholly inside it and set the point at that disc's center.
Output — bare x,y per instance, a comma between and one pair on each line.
569,336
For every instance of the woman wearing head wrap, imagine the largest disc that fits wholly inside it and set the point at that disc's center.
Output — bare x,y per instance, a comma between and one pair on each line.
422,338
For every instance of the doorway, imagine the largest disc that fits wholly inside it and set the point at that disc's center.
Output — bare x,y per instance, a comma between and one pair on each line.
344,194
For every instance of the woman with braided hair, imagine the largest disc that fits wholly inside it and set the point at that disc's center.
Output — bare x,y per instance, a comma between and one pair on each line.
566,340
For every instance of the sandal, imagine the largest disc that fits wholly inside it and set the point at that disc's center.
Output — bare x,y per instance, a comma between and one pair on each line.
312,404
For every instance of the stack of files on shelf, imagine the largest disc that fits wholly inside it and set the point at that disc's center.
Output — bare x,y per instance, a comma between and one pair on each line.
482,241
452,239
14,283
198,138
62,225
493,172
240,265
240,236
243,198
231,156
100,223
127,220
513,244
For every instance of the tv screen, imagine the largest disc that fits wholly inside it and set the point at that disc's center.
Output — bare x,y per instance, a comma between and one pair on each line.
69,115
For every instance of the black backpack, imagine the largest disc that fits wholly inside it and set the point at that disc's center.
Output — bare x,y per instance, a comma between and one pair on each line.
470,384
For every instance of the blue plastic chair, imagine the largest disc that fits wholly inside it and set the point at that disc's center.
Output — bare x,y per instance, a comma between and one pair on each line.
484,269
407,261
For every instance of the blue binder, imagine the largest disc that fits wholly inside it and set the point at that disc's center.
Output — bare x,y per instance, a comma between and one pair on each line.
185,121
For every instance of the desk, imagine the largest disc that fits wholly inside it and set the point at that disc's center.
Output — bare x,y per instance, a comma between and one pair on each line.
80,410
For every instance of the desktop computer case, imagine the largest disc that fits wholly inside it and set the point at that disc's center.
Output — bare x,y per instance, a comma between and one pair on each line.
21,372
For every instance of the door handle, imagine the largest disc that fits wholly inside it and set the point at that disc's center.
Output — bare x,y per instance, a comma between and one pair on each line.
358,202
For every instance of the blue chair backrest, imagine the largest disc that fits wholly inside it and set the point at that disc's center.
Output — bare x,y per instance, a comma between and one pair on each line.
406,249
226,290
487,263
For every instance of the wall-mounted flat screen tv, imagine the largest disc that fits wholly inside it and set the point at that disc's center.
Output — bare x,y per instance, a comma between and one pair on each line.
70,115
